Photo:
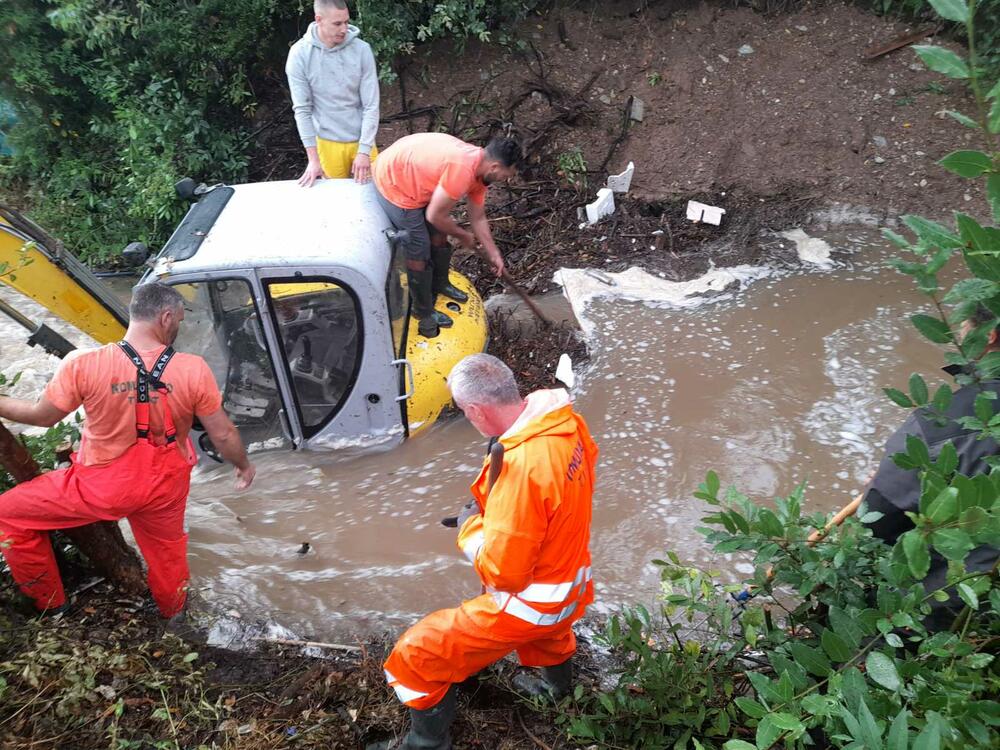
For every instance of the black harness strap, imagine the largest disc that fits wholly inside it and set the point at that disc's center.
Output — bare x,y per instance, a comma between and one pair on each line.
146,380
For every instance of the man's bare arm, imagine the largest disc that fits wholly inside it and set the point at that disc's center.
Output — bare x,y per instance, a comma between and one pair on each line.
226,439
41,413
439,214
481,229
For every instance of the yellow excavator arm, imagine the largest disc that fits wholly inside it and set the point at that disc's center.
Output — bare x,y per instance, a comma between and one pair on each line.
40,268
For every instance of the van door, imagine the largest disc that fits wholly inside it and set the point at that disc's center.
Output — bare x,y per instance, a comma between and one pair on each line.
335,346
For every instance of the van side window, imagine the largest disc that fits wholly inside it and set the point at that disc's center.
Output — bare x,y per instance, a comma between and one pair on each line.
319,326
222,326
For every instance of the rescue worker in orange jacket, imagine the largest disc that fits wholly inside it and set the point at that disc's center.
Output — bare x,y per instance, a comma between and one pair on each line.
527,538
135,456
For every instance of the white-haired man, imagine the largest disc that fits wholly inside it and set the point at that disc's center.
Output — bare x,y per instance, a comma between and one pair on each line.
335,96
528,539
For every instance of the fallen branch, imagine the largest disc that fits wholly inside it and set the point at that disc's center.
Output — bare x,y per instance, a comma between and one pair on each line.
312,644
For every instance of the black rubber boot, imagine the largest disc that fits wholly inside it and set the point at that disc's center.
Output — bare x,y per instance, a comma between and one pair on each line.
423,304
441,262
549,683
429,730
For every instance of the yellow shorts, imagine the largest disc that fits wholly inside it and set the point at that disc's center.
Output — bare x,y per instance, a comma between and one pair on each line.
336,158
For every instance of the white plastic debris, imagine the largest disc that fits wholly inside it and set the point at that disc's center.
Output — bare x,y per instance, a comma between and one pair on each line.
697,212
603,206
564,371
620,183
638,109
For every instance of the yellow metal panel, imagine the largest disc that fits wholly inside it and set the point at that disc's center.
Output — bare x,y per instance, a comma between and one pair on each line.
432,359
48,285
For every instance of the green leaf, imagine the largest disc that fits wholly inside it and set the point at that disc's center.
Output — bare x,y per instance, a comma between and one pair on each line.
967,121
738,745
769,524
918,390
787,722
931,233
942,60
993,119
846,627
896,239
953,10
898,735
767,732
944,506
932,328
898,397
967,163
882,670
918,560
751,708
954,544
972,290
968,596
994,92
993,193
871,736
835,646
929,738
814,660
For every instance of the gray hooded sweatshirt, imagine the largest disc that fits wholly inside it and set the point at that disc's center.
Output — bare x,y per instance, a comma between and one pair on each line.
334,90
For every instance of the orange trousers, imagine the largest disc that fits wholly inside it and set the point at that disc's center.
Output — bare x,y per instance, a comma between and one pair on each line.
450,645
148,485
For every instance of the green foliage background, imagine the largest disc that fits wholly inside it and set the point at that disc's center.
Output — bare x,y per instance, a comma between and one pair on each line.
118,99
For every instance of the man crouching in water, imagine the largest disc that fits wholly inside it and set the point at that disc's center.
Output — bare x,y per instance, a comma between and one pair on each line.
528,539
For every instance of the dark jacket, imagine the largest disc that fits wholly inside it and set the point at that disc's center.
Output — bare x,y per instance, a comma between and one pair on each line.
894,490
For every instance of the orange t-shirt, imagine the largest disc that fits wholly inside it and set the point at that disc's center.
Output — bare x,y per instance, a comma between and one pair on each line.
408,172
104,381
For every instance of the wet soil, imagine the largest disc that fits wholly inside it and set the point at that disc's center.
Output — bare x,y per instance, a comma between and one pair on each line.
111,671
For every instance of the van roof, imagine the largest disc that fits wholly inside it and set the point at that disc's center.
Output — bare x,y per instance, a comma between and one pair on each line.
335,223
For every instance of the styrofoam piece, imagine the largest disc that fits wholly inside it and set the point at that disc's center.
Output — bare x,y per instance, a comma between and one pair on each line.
810,249
564,371
620,183
638,109
703,212
603,206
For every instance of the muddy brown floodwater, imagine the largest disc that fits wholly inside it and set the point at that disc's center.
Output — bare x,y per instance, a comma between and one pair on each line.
771,385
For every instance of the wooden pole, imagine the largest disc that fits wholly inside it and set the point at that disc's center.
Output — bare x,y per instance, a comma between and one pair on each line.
102,542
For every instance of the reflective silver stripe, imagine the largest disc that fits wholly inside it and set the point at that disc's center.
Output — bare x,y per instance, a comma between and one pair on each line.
403,693
473,545
516,608
551,593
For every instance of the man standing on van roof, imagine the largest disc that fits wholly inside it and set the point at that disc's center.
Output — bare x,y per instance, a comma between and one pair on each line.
419,179
135,456
335,96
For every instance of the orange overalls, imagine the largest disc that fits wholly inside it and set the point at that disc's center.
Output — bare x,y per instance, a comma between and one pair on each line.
530,547
148,484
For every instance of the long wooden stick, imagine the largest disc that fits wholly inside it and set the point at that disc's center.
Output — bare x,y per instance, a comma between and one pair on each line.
509,281
313,644
842,515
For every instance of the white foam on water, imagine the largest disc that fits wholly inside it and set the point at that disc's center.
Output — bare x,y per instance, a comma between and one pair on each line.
636,284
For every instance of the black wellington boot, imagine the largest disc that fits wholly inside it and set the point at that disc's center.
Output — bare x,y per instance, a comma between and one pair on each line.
429,729
441,261
423,304
549,683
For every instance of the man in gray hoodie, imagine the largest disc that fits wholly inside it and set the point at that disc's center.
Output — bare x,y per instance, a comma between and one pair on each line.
335,96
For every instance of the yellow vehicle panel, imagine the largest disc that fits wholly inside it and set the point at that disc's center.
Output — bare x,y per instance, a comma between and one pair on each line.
51,287
432,359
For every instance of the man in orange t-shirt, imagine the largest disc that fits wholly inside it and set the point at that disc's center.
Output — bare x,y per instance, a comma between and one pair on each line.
419,179
135,456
